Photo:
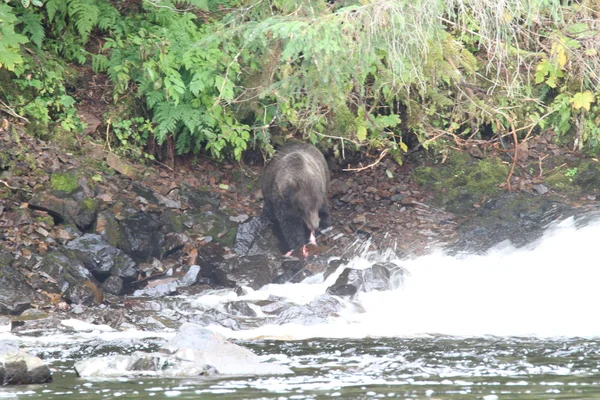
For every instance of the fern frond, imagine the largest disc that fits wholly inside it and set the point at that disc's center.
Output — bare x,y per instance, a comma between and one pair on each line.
166,117
53,7
32,26
85,15
100,63
108,16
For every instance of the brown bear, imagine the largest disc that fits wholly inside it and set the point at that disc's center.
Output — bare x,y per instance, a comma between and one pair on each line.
294,186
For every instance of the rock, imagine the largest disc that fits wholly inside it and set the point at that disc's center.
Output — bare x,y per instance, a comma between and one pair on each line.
247,233
73,280
253,271
18,367
140,237
194,351
199,199
190,277
15,293
540,189
108,226
61,209
352,281
102,259
122,167
114,285
175,242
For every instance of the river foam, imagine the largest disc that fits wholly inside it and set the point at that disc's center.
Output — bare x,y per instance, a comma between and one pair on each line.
545,289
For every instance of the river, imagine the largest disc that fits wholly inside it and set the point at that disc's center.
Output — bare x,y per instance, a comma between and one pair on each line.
504,324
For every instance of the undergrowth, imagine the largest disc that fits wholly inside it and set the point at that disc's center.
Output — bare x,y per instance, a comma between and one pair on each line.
219,76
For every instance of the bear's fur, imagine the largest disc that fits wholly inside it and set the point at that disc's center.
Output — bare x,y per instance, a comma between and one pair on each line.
294,186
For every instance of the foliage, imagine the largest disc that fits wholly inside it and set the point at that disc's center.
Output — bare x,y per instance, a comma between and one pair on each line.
219,76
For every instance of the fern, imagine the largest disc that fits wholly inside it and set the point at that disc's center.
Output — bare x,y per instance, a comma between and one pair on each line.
32,26
85,14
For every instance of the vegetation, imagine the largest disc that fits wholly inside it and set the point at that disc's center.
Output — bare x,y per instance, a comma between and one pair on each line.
219,76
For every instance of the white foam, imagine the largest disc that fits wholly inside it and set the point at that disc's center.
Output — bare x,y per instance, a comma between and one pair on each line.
547,289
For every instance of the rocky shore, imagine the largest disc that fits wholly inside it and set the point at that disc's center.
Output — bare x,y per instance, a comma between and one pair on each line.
88,235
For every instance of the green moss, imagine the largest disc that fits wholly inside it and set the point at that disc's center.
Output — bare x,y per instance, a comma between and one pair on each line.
88,204
64,182
5,162
462,180
46,219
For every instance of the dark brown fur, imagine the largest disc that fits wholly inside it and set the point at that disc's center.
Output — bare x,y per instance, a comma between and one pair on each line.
294,186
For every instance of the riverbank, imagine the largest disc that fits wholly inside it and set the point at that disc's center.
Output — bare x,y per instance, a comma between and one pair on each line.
86,230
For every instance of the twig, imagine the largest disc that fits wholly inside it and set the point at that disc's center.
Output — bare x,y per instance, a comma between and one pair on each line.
383,153
6,108
7,185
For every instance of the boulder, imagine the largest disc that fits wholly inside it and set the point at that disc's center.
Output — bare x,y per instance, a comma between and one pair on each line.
253,271
18,367
194,351
102,259
73,279
375,278
141,237
15,294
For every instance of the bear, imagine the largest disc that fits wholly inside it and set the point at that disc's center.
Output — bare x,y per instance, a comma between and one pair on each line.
294,186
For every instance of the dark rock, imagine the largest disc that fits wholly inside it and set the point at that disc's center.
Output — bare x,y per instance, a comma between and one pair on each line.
199,199
108,226
212,224
114,285
253,271
247,233
61,209
352,281
239,308
102,259
18,367
317,311
333,266
141,238
175,242
73,280
15,294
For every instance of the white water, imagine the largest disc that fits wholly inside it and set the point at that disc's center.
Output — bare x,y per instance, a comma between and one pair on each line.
548,289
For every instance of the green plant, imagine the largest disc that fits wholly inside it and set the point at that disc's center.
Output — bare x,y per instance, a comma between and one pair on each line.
132,134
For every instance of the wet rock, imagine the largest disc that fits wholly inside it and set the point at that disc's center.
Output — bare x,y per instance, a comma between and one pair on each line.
15,293
102,259
317,311
18,367
160,290
247,233
190,277
108,226
352,281
215,225
68,272
194,351
61,209
153,197
239,308
199,199
141,238
253,271
175,242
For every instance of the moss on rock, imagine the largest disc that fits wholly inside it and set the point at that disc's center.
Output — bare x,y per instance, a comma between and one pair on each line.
462,180
63,182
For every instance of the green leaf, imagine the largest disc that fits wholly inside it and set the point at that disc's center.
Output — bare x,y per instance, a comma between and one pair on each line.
582,100
225,87
361,133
